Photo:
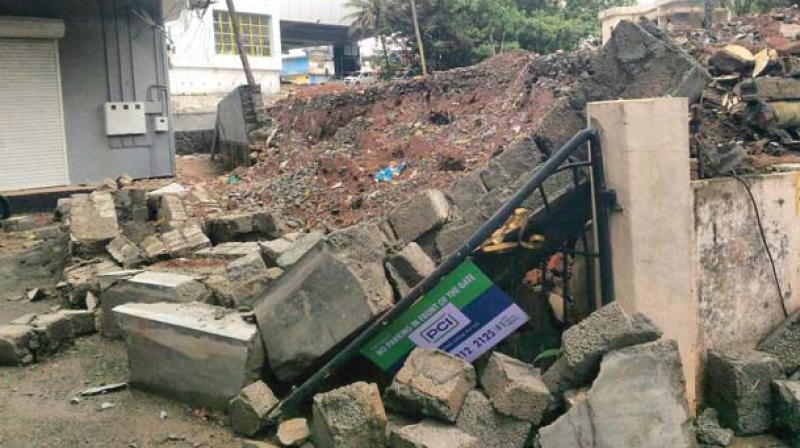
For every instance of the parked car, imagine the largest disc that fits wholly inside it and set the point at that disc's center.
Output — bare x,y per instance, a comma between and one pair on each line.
360,78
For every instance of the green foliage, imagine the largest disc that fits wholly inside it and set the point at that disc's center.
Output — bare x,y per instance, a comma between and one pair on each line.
549,353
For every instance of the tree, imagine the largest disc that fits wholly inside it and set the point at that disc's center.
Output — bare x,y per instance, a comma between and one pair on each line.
370,15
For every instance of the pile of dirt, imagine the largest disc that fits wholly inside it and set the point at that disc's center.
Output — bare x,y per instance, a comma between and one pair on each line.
319,156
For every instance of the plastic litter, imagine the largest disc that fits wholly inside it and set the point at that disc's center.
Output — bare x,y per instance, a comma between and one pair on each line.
388,173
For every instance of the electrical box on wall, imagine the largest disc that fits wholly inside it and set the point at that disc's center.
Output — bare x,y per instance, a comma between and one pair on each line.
125,118
161,124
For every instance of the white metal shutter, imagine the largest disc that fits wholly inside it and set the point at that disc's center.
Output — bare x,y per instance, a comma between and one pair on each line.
32,146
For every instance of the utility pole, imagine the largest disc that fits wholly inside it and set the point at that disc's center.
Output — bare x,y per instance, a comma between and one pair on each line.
237,35
420,46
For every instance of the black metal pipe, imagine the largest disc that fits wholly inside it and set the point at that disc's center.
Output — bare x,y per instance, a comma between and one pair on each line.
450,263
601,198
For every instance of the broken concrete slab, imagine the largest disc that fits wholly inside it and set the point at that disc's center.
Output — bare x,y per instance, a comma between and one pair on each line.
273,249
296,250
637,400
125,252
149,287
18,345
205,354
248,411
584,345
786,405
432,434
230,251
19,223
709,430
131,205
154,249
93,222
424,211
479,419
248,226
171,212
349,417
431,383
309,310
515,388
737,385
467,191
408,267
83,277
185,240
62,327
293,432
247,278
784,343
455,234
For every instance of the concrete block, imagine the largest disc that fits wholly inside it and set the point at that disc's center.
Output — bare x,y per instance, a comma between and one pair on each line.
249,226
709,430
362,248
230,251
431,383
454,234
349,417
584,345
83,277
786,405
93,222
185,240
515,388
205,354
409,267
293,432
18,344
637,400
467,191
63,326
149,287
432,434
19,223
106,279
248,411
247,268
426,210
171,211
737,385
479,419
273,249
124,252
296,250
503,170
309,310
784,343
154,248
131,205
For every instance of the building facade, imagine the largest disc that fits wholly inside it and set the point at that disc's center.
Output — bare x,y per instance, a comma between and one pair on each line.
308,66
83,92
203,55
665,13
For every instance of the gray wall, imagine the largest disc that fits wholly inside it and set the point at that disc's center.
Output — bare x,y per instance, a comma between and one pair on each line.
108,54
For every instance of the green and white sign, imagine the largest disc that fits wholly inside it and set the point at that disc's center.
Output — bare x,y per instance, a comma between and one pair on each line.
465,315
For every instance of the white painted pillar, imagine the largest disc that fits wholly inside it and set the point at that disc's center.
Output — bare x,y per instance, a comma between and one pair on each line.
645,147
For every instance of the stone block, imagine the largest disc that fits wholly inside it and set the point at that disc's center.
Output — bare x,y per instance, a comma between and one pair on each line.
467,191
432,434
230,251
273,249
247,268
409,267
248,411
19,223
637,400
479,419
61,327
584,345
83,277
296,250
710,432
124,252
425,211
293,432
171,212
503,170
786,405
149,287
106,279
93,222
195,353
362,249
784,343
349,417
309,310
18,344
515,388
131,205
154,248
249,226
454,234
185,240
431,383
737,385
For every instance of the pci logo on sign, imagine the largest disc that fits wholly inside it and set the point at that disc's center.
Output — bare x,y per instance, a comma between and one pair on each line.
440,327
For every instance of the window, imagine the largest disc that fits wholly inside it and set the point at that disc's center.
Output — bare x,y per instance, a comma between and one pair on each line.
254,28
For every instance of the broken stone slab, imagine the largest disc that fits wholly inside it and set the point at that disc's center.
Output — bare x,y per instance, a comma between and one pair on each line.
296,250
479,419
710,432
362,249
230,251
61,327
584,345
349,417
248,277
454,234
248,411
515,388
195,353
131,205
637,400
273,249
423,212
293,432
154,249
185,240
737,385
408,267
124,252
82,277
171,212
784,343
308,311
149,287
432,434
39,266
18,345
786,405
93,223
249,226
106,279
467,191
731,59
504,169
431,383
19,223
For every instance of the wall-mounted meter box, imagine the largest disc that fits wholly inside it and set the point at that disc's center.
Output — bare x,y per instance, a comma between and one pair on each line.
125,119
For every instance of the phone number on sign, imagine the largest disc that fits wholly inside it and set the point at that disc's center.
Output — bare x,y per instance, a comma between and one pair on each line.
482,340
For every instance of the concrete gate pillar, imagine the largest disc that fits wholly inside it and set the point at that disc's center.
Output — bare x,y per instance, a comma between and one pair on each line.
645,147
